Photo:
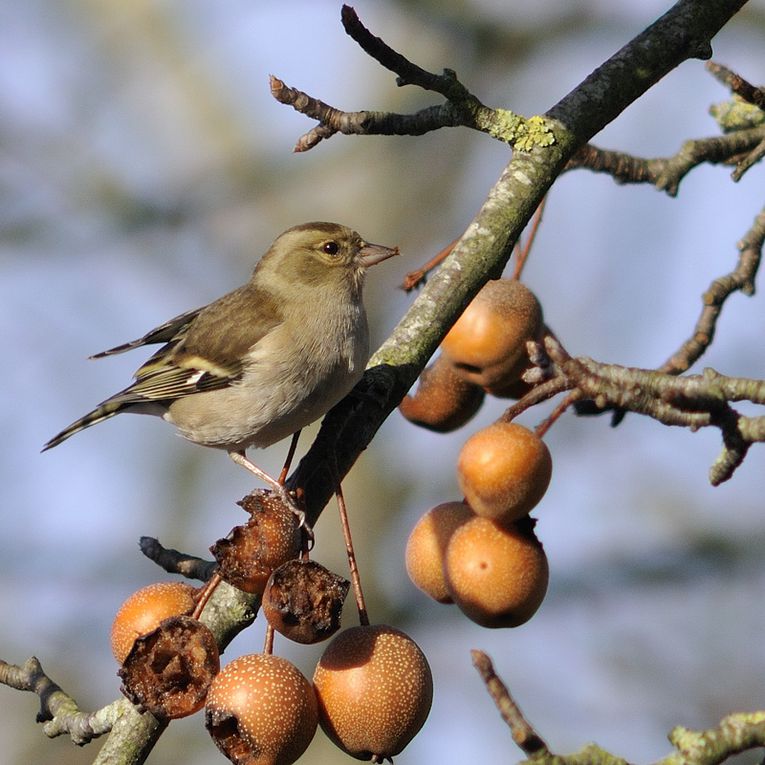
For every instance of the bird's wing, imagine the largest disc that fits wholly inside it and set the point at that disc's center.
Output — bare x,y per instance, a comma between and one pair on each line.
225,331
204,350
209,351
163,383
164,333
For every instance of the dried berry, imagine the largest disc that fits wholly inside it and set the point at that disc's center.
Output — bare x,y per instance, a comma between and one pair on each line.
169,671
303,601
251,552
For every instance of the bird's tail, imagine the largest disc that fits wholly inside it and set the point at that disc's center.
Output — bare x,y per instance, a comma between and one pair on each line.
99,414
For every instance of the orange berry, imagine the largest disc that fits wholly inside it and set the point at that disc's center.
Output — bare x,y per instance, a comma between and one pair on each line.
503,471
443,401
496,575
426,547
261,710
142,612
374,688
488,340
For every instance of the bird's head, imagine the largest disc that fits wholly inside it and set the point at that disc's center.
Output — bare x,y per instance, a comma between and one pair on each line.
321,255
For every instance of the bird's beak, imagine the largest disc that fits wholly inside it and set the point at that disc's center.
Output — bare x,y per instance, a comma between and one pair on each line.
370,254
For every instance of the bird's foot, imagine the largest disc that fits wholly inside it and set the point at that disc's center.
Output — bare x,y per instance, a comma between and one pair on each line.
279,489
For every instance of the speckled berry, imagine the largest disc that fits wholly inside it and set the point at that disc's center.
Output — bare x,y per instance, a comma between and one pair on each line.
145,609
426,547
261,710
496,574
374,689
503,471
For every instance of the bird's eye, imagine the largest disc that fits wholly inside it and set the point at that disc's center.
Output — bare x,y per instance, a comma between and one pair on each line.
331,248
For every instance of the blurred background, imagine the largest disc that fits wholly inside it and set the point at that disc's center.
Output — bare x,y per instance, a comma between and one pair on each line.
144,167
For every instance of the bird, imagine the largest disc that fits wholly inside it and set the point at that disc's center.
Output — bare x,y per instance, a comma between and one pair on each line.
263,361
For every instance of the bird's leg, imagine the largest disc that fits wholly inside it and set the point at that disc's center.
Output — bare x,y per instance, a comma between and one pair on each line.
290,455
241,459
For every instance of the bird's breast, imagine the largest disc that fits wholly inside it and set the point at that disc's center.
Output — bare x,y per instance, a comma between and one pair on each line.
291,378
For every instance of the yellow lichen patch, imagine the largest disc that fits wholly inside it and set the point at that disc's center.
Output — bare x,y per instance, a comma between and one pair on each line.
521,133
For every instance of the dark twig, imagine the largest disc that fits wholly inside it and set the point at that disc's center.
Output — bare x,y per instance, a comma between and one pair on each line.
175,562
737,84
408,73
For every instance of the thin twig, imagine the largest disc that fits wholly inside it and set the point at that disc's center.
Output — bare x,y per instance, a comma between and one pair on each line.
741,279
737,84
290,456
523,734
268,643
352,564
523,253
417,277
667,173
176,562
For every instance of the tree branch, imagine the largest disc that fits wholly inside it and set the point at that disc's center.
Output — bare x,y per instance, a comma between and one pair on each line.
693,402
487,244
736,733
741,279
543,146
523,734
666,173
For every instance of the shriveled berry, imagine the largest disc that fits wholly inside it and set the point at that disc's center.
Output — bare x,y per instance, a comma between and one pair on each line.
169,671
303,601
248,555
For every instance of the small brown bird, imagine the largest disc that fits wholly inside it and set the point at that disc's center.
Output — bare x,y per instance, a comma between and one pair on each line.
265,360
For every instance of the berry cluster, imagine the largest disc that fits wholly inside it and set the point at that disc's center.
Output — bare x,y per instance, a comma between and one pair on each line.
482,553
372,688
